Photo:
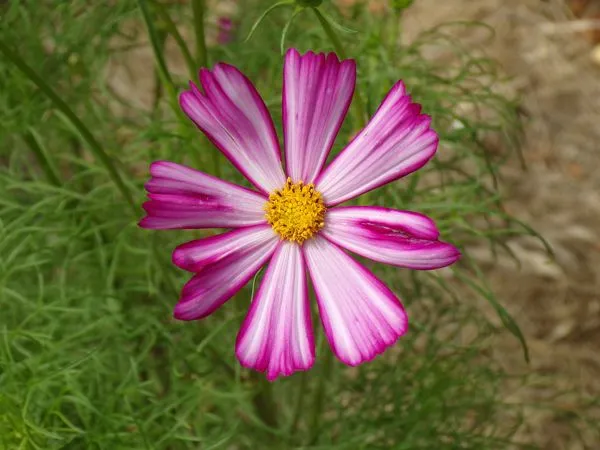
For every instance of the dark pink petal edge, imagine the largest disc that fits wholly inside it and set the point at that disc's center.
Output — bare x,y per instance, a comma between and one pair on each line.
400,238
195,256
277,336
185,198
317,92
233,116
361,316
397,141
218,282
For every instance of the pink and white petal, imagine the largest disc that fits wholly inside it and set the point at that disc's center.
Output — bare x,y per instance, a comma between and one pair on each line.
317,91
276,336
218,282
400,238
234,117
397,141
197,255
361,315
181,197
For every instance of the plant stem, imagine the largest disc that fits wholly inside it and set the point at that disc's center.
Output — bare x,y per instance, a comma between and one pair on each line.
320,398
394,34
198,11
299,404
264,403
170,285
171,27
359,109
158,84
76,122
159,56
33,141
335,41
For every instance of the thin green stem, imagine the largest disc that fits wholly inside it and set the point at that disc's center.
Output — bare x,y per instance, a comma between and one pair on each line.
34,142
264,401
170,285
199,9
319,401
359,109
394,34
157,94
159,56
69,114
335,41
171,27
286,28
201,54
264,15
163,70
158,84
299,404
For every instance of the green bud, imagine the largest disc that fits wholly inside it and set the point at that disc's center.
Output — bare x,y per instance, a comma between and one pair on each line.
399,5
309,3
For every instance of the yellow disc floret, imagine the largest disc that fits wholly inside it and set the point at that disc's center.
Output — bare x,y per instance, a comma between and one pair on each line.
296,211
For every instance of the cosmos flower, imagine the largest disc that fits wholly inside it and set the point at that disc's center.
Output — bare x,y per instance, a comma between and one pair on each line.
225,27
293,222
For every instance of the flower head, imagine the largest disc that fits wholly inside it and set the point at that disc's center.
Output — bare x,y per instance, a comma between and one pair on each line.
296,211
292,222
225,27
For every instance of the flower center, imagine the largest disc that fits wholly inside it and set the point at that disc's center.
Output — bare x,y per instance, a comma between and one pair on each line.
296,211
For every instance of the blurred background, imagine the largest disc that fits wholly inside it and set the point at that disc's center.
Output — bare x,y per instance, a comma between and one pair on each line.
89,356
550,51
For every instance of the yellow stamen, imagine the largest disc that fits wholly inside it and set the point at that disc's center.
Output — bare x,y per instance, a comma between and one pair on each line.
296,211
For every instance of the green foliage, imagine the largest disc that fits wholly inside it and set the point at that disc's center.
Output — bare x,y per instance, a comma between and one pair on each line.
89,355
399,5
309,3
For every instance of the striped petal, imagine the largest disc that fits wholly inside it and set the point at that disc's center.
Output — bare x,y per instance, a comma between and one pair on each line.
317,91
197,255
397,141
360,314
400,238
181,197
277,336
218,281
233,116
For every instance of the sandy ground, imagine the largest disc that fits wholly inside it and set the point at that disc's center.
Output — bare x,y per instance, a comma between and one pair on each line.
556,72
554,66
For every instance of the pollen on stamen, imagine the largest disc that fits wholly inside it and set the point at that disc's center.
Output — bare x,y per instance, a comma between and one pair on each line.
296,211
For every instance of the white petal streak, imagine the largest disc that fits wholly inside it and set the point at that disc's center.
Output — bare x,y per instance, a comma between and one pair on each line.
234,117
361,316
397,141
218,282
277,336
401,238
317,91
196,255
182,197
